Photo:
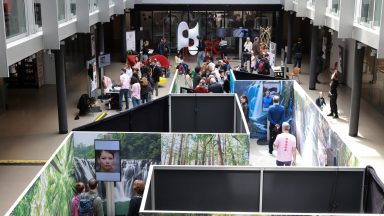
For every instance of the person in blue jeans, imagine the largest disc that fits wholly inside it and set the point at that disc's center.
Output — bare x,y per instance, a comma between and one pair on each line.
124,90
276,119
200,51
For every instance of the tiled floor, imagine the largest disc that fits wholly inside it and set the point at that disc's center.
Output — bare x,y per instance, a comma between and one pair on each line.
29,129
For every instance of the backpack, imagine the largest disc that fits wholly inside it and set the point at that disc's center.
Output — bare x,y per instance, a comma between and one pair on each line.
264,67
85,205
144,82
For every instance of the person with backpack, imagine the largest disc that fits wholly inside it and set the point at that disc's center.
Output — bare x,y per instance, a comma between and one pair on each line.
90,204
79,187
135,202
145,89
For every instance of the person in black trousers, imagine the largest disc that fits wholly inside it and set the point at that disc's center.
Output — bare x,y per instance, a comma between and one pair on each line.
333,94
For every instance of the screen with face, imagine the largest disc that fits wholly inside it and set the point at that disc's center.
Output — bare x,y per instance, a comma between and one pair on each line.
107,160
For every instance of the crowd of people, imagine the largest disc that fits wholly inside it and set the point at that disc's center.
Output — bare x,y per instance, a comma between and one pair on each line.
90,203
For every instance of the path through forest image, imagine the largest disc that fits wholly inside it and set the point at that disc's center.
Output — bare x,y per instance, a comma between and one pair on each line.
204,149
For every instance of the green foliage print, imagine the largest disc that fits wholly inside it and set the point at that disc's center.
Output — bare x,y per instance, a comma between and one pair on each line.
52,191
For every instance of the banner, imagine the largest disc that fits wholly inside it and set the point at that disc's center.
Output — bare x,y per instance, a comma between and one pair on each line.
131,40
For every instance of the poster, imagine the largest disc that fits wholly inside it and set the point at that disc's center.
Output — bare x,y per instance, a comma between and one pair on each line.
107,160
94,80
131,40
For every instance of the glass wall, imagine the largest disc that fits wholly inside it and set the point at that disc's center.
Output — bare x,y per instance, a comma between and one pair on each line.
164,23
146,20
373,80
15,19
198,17
369,12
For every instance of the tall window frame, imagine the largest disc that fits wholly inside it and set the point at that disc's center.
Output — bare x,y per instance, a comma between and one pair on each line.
368,13
14,37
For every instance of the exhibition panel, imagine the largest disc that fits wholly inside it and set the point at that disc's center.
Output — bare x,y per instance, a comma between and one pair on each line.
191,113
317,143
50,192
199,190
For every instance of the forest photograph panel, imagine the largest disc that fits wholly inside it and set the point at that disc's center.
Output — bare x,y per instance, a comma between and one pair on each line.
204,149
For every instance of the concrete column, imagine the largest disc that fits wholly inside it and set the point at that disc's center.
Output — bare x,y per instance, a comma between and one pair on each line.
100,45
356,90
60,88
123,39
289,37
279,31
3,96
314,51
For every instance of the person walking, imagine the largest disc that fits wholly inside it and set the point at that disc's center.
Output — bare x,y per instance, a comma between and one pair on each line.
298,50
285,145
163,47
223,47
200,51
333,94
246,55
124,89
275,118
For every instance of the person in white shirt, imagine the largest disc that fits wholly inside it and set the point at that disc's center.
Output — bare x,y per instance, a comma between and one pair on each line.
128,70
124,90
135,89
246,55
223,47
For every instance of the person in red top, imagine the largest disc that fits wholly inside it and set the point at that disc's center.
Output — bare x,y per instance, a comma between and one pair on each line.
75,200
201,88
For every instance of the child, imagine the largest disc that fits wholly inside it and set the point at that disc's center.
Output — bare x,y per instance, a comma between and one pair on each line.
320,101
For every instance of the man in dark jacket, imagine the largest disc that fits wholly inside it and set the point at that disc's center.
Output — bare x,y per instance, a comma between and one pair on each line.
333,94
156,78
276,119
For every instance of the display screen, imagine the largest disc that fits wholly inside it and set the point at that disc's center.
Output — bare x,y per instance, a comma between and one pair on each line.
107,160
241,33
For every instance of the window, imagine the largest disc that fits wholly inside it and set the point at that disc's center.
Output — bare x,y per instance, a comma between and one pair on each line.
15,17
93,5
72,8
37,13
311,3
61,10
369,12
333,7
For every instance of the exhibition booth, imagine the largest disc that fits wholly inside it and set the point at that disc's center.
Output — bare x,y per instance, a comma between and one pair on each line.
206,131
172,130
317,143
199,190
